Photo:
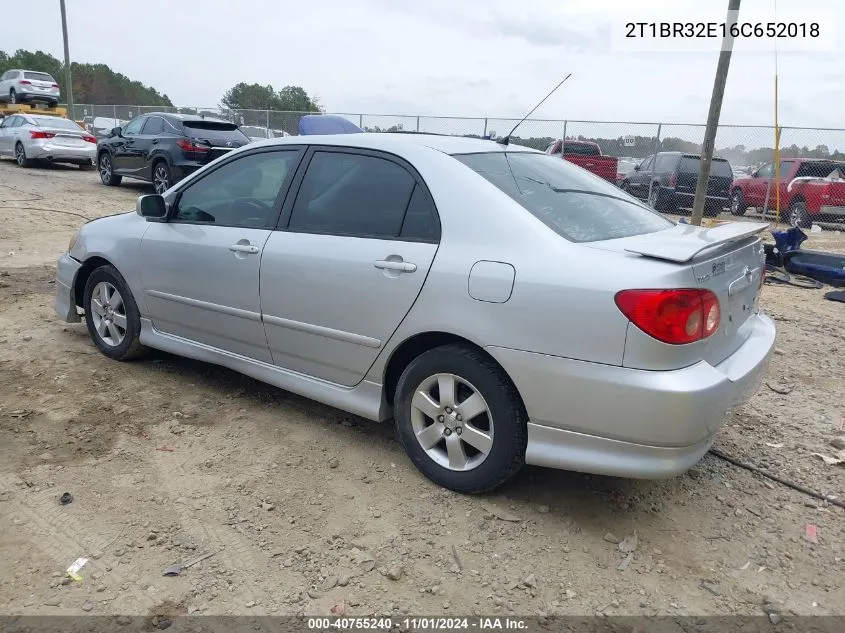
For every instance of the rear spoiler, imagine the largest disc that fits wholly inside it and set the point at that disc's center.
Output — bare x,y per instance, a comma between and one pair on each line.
682,243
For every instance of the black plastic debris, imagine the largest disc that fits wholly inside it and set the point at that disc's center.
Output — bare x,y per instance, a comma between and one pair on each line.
66,498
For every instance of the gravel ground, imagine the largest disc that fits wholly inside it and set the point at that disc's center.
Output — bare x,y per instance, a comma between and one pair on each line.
306,509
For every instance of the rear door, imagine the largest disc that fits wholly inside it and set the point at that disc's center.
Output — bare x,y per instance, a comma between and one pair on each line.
144,144
352,256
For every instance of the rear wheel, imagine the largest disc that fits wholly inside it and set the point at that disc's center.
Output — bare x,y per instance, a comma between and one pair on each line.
162,179
13,96
655,200
111,314
20,156
106,168
738,205
53,104
460,419
798,215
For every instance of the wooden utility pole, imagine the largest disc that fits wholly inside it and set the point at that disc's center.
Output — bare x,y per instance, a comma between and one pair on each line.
68,77
713,115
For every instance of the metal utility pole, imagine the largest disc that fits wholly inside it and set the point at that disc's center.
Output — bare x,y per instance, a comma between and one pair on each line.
713,115
68,78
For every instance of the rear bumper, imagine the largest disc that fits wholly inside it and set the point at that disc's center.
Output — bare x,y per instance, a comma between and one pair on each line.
685,198
626,422
24,94
64,304
50,150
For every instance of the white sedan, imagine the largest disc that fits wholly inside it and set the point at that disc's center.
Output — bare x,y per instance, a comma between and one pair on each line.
28,138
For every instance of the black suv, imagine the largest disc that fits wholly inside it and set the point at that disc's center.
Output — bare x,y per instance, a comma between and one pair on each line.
667,180
163,148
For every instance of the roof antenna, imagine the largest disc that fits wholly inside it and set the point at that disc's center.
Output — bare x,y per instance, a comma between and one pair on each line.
506,139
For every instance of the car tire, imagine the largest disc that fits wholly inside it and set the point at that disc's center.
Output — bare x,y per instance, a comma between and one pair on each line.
655,200
798,215
161,177
111,314
13,96
53,104
20,156
106,169
738,206
626,187
439,446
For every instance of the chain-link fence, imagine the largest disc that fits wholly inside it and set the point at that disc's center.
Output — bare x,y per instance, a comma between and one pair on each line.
749,150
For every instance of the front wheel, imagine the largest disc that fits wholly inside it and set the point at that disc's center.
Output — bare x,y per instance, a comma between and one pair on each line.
13,96
106,168
460,419
738,205
111,314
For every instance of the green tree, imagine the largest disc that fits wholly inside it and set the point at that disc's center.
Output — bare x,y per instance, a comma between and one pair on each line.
243,96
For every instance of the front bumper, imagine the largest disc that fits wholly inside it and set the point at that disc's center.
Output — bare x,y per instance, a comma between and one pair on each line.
612,420
67,269
49,149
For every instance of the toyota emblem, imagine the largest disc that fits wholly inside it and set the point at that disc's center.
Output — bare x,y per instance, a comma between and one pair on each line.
228,143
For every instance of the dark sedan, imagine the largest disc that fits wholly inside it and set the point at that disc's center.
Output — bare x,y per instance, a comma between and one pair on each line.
163,148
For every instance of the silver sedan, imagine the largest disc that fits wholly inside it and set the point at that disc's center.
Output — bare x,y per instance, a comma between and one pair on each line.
502,306
30,137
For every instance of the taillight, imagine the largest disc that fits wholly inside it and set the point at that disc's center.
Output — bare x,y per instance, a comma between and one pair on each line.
673,180
89,139
54,85
34,134
25,82
677,317
188,145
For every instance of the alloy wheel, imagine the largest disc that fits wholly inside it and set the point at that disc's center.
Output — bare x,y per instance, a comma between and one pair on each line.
108,314
653,195
105,167
20,155
161,179
452,422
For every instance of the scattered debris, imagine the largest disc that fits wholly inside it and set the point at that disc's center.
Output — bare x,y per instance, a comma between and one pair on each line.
269,507
87,605
66,498
333,462
499,513
709,585
166,449
395,572
779,387
746,566
773,445
610,537
811,533
772,605
838,442
543,509
178,568
629,545
75,567
457,558
625,562
339,608
831,461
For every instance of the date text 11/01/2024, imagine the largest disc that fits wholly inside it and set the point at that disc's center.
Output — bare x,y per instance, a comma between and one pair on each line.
757,30
417,624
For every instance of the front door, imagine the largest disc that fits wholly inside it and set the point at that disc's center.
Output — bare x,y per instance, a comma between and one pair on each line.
124,153
755,194
338,280
199,270
640,178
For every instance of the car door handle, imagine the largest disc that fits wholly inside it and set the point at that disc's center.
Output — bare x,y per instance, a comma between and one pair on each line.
402,267
155,141
244,248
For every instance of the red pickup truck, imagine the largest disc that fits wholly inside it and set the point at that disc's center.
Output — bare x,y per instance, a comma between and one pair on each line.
588,155
810,189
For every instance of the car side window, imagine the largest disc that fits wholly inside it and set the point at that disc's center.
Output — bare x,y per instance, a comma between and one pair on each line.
786,167
421,222
646,164
765,171
241,193
14,121
664,163
133,128
154,125
352,194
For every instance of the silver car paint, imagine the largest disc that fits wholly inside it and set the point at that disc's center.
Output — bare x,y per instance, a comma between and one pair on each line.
66,146
559,335
37,89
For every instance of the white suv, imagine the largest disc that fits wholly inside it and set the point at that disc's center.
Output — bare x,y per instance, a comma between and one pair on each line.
18,86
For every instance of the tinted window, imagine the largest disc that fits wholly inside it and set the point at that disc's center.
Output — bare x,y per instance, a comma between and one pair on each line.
57,123
554,148
573,202
665,162
352,194
647,163
240,193
134,126
765,171
786,167
816,170
39,77
582,149
215,131
421,221
718,167
12,121
154,125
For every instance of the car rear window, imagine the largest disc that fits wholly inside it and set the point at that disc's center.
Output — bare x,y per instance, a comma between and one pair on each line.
56,123
574,203
256,132
214,131
39,77
718,167
582,149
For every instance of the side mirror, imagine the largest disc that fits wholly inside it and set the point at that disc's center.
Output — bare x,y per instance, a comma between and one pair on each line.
117,131
755,173
152,207
636,168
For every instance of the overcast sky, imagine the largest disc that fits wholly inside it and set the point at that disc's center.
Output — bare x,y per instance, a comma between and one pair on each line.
436,57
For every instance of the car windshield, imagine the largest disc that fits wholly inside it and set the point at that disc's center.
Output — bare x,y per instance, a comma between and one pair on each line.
56,123
574,203
718,167
38,77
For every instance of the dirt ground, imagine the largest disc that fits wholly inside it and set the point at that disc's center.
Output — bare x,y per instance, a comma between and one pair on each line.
306,508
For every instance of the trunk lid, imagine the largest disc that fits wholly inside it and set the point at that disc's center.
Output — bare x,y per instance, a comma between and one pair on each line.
728,260
220,136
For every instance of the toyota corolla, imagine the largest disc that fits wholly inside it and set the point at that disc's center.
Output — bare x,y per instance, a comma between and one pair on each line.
502,306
